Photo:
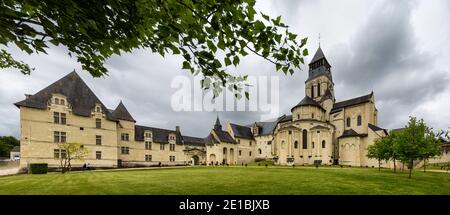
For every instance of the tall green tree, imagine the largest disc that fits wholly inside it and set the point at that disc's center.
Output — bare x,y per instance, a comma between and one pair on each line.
7,143
210,35
415,143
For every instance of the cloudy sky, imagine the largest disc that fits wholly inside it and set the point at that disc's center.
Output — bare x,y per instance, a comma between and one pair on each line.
398,49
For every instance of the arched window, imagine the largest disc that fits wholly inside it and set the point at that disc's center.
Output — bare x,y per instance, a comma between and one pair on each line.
312,91
323,144
312,144
259,151
296,144
305,139
318,89
359,121
348,121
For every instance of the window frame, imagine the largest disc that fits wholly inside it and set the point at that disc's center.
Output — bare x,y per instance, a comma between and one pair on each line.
98,140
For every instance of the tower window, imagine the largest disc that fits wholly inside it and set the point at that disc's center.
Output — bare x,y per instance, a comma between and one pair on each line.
348,121
318,89
312,91
305,139
359,121
296,145
323,144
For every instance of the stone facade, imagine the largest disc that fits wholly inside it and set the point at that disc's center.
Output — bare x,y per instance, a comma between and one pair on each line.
319,130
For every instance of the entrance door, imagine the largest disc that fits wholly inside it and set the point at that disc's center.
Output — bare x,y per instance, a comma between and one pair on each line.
196,160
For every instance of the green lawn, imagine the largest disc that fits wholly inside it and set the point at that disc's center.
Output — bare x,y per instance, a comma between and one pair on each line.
230,180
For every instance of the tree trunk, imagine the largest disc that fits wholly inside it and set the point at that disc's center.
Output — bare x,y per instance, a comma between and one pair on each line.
424,165
410,168
395,169
379,165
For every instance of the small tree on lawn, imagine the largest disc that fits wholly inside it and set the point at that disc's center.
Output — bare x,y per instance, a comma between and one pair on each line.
432,147
413,142
377,151
70,152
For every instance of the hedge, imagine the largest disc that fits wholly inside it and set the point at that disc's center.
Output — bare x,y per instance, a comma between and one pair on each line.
38,168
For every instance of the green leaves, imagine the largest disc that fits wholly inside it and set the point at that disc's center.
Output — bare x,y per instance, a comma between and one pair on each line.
198,31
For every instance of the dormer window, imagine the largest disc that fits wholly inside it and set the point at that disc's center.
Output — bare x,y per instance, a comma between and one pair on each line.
171,137
148,134
62,102
98,109
57,101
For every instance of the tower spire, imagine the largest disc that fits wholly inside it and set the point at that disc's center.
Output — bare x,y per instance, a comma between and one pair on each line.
217,126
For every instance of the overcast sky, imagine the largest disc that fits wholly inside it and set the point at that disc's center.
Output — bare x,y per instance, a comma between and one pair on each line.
398,49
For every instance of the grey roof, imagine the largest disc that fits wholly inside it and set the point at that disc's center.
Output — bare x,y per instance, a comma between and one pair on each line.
355,101
307,101
242,131
224,136
352,133
159,135
319,127
122,113
211,140
284,118
319,66
78,94
266,127
375,128
15,149
193,141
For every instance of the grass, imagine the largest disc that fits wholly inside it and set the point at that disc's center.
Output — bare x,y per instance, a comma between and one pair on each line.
230,180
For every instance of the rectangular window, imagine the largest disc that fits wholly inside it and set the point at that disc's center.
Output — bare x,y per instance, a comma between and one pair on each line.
172,147
57,101
98,155
98,140
63,154
63,118
250,144
59,137
56,153
56,117
125,150
240,152
125,137
161,146
148,145
59,118
148,158
250,153
98,123
172,158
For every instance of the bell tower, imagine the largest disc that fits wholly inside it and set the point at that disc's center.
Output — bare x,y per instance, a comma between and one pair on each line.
319,85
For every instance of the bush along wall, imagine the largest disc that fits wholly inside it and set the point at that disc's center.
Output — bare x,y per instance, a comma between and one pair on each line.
38,168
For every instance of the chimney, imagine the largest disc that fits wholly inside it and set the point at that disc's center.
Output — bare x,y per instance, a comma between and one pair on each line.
27,96
177,129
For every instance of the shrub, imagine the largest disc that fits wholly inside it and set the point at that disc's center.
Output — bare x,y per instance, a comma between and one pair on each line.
38,168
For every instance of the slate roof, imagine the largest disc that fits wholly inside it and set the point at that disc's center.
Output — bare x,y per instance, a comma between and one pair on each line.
355,101
78,94
352,133
211,140
319,127
375,128
15,149
242,131
307,101
159,135
193,141
224,136
122,113
323,69
318,55
284,118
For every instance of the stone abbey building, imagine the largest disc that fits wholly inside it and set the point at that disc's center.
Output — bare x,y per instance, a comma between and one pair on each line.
318,130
